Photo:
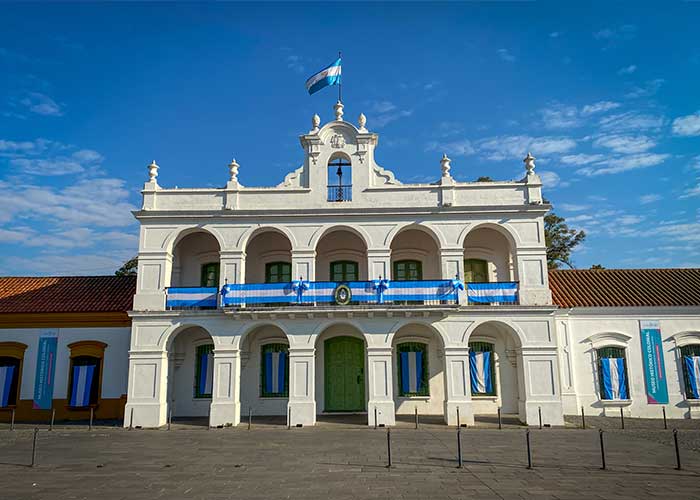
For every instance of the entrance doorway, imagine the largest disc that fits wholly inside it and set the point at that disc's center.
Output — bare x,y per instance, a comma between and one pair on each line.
344,374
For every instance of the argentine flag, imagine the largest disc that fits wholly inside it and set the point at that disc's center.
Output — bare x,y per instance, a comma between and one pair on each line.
330,75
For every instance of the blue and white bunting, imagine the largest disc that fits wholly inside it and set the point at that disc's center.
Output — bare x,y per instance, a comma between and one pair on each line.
82,385
275,366
480,372
692,366
206,373
486,293
614,378
6,377
191,297
330,75
411,371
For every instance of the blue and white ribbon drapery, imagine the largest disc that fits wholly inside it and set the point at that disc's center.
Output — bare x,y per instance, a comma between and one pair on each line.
411,372
191,297
330,75
6,376
692,366
275,369
82,385
299,287
485,293
614,378
206,373
381,286
480,372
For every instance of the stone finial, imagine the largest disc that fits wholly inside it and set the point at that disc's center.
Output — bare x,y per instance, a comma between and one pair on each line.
362,121
153,172
445,166
529,161
338,108
315,122
233,170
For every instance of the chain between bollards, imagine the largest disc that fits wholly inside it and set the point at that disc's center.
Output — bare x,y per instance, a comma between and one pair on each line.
663,409
459,447
583,419
602,449
622,420
36,432
53,418
416,412
500,425
678,453
529,453
388,446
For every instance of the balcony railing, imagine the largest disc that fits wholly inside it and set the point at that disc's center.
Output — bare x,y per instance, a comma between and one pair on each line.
352,293
340,192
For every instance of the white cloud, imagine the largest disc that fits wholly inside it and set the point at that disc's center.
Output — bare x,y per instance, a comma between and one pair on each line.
624,32
454,148
627,70
623,164
581,159
506,55
515,147
691,192
294,62
41,104
62,265
629,121
687,125
549,179
649,198
558,116
648,89
599,107
625,144
58,165
571,207
629,220
381,113
554,34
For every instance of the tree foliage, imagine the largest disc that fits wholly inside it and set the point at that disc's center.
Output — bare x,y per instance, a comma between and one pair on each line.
484,178
597,267
129,268
560,240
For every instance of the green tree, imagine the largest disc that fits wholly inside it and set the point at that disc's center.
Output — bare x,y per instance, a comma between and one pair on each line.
484,178
597,266
129,268
560,240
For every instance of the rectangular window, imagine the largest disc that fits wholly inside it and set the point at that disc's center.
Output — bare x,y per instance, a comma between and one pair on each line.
476,271
84,381
412,370
612,373
278,272
408,270
482,368
210,275
9,381
344,270
204,371
691,369
274,372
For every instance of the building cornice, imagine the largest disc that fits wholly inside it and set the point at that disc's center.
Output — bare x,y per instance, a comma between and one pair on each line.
65,320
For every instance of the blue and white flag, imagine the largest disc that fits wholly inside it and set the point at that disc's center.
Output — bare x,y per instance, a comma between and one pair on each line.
275,363
206,373
692,366
614,379
330,75
411,372
480,372
82,385
485,293
6,376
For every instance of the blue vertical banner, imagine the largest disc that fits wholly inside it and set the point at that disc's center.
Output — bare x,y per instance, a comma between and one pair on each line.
653,361
45,370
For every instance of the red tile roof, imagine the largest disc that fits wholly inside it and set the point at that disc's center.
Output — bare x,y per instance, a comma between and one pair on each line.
625,287
67,294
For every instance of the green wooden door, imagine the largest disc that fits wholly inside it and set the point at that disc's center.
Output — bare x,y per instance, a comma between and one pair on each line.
344,374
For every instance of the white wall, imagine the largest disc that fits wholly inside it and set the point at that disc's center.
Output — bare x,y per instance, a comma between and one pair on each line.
182,365
262,249
414,244
340,245
189,255
251,360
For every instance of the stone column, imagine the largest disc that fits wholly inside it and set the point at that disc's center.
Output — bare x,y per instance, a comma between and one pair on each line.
301,409
147,389
154,272
232,267
458,386
304,264
452,265
226,388
378,263
380,385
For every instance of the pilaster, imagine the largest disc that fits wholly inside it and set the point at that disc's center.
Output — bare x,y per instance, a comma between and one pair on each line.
225,404
147,389
458,397
301,409
378,263
381,388
304,264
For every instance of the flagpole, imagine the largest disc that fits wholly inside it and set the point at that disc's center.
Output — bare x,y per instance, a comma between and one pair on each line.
340,84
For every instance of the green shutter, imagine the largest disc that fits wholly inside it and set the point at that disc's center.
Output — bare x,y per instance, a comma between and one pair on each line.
408,270
263,372
344,270
278,272
210,275
199,352
476,271
424,389
486,347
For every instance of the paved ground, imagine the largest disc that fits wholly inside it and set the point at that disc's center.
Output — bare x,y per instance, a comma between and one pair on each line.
342,461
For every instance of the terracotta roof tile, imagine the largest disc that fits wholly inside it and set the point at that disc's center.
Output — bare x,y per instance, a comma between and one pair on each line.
66,294
625,287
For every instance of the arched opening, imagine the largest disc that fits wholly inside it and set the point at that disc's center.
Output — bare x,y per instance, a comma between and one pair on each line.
341,373
265,373
496,372
419,375
339,178
489,256
196,261
190,374
341,255
268,258
414,256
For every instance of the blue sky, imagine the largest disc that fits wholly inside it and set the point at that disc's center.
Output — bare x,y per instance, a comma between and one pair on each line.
605,97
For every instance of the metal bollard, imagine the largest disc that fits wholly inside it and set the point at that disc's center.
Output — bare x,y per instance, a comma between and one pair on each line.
602,449
388,445
583,419
250,416
36,432
678,453
53,418
663,409
289,418
12,421
529,453
459,447
209,418
416,417
622,420
92,415
131,420
539,412
500,425
170,417
375,417
458,424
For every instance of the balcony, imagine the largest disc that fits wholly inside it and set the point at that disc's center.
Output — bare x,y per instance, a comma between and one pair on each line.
342,192
379,293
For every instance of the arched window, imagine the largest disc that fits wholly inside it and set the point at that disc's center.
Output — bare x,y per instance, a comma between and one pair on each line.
204,371
482,368
408,270
278,272
339,179
11,359
612,373
274,371
412,358
690,355
85,375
